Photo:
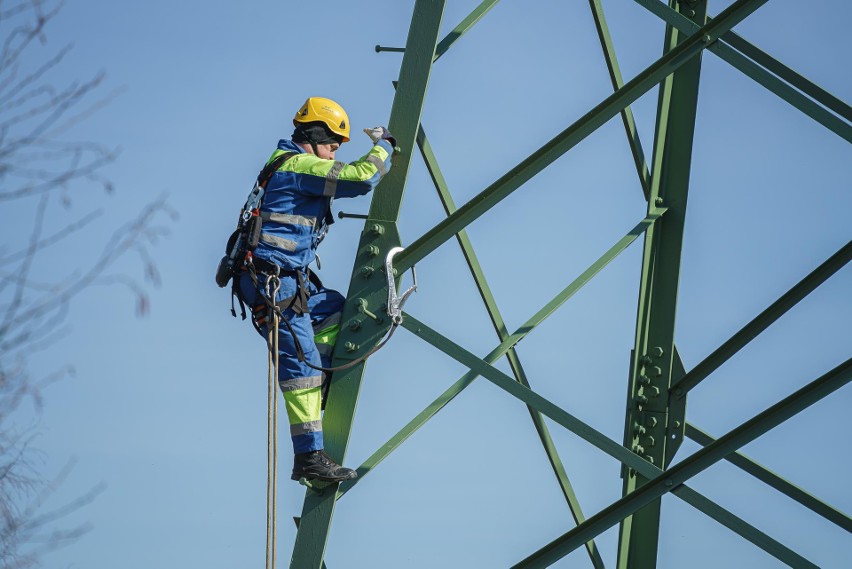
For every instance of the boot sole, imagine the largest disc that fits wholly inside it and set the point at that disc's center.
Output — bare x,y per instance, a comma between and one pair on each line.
310,478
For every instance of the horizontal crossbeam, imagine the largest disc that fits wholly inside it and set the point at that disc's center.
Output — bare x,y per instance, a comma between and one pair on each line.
692,466
762,321
463,27
575,133
615,450
498,352
765,475
768,72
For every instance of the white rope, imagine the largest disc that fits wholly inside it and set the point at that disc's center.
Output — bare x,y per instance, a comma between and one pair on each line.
272,286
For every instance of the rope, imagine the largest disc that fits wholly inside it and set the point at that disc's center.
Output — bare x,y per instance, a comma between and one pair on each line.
300,354
272,286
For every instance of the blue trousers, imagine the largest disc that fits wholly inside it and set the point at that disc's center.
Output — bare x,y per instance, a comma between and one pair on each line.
316,332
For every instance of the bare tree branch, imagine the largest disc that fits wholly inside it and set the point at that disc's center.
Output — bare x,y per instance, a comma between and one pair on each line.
41,168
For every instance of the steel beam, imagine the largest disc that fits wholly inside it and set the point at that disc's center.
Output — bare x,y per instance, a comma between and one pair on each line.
649,416
502,333
498,352
610,447
768,72
477,14
618,83
359,333
765,475
575,133
763,320
693,465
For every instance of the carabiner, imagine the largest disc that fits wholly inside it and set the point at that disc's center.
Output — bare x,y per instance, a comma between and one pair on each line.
395,302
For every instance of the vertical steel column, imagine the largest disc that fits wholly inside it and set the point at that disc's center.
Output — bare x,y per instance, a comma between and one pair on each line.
363,325
650,418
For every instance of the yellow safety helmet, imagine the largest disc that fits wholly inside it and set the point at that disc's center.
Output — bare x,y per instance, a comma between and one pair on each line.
326,111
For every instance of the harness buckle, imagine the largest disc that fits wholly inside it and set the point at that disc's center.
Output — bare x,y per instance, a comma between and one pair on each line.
395,302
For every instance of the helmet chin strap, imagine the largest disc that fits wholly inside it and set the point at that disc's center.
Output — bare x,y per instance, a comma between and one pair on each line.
314,148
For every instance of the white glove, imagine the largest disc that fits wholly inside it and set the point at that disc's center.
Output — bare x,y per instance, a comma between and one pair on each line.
378,133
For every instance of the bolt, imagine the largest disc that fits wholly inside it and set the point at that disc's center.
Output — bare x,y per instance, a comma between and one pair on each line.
377,229
638,429
373,251
658,201
350,346
645,360
355,325
707,39
656,371
669,482
652,391
638,449
644,380
651,422
641,399
690,13
650,459
649,441
677,424
657,352
367,271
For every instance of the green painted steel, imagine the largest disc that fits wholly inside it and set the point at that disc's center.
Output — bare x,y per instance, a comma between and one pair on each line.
648,416
763,320
787,488
367,289
618,83
498,352
655,423
694,465
612,448
577,132
502,333
471,19
770,75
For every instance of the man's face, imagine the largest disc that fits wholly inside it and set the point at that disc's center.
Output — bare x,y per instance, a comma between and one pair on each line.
326,151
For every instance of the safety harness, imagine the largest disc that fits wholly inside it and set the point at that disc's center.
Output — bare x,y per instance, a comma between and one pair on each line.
238,258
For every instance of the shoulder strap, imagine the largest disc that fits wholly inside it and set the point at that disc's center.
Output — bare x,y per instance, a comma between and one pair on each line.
270,169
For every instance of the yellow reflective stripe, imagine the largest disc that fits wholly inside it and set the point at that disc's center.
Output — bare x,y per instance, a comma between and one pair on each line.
303,405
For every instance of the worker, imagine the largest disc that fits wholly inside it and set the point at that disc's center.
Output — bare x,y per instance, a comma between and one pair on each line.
296,213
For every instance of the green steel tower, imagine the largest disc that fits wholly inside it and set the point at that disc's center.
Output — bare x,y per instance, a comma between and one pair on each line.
655,420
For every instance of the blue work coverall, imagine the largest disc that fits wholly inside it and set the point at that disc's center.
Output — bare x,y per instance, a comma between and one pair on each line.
295,210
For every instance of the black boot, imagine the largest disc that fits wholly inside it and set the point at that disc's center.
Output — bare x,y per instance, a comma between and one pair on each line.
317,465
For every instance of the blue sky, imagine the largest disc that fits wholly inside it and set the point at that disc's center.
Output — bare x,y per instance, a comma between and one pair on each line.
169,411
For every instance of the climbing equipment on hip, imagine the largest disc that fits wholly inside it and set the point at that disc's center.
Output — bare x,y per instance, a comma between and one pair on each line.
273,308
246,236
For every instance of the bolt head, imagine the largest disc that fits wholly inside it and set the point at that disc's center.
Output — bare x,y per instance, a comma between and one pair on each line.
657,352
